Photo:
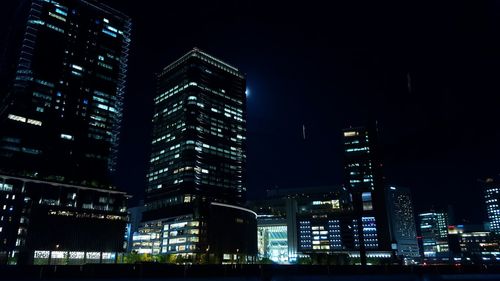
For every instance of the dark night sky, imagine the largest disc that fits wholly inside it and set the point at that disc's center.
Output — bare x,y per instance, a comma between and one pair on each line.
332,65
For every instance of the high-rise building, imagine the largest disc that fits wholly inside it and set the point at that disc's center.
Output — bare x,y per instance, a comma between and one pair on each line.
402,222
196,178
63,113
492,201
60,127
434,232
365,181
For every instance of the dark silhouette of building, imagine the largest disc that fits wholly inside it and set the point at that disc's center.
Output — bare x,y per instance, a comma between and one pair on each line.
60,125
364,180
196,178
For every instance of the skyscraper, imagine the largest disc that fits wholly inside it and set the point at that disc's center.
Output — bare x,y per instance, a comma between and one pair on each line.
402,222
196,178
365,181
63,113
60,127
492,201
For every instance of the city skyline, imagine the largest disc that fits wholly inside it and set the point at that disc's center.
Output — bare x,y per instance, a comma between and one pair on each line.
240,132
419,146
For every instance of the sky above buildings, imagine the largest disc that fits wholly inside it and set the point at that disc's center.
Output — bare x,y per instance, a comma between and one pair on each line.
427,72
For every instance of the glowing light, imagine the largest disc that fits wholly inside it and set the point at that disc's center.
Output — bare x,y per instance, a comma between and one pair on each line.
247,92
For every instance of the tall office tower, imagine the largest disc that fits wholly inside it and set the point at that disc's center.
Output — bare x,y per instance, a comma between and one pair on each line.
402,222
492,201
63,114
197,166
365,182
434,232
60,127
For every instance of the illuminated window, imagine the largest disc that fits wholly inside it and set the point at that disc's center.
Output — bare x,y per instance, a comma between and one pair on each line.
367,201
67,137
16,118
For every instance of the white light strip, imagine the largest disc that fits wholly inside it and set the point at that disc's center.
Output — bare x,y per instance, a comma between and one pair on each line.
234,207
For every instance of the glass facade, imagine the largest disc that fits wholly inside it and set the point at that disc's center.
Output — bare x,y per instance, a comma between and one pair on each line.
273,243
166,237
197,166
67,94
199,133
60,125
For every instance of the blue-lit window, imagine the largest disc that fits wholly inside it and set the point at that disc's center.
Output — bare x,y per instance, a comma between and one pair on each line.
61,12
109,33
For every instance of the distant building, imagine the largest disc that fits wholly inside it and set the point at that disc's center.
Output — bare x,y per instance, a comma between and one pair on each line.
365,182
492,201
402,222
473,244
197,170
60,129
434,232
319,223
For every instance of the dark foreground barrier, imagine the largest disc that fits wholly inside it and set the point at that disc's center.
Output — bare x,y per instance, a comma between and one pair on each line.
247,272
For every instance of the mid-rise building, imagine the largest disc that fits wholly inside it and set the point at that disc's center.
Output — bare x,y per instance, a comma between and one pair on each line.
317,221
197,169
473,244
434,232
60,128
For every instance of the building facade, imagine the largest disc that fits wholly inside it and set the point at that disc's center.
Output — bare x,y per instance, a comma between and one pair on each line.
272,240
197,168
402,222
492,201
365,182
318,223
434,232
60,128
67,94
134,222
